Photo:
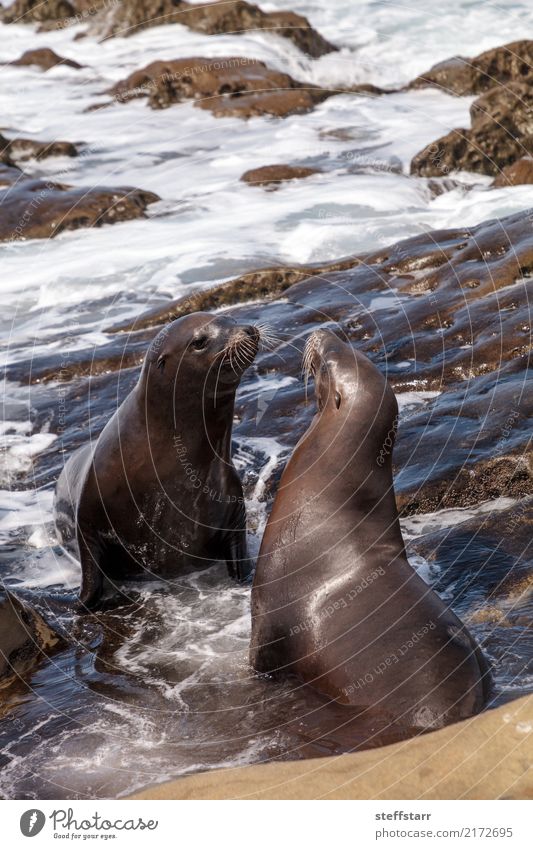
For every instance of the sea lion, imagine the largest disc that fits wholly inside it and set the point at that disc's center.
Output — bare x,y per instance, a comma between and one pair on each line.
157,493
334,598
24,637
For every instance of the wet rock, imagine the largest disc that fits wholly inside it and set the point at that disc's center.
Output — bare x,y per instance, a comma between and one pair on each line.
517,174
227,86
455,762
493,553
45,58
436,330
125,18
510,63
24,638
40,209
446,311
20,149
272,175
501,133
501,129
122,352
31,11
213,18
265,284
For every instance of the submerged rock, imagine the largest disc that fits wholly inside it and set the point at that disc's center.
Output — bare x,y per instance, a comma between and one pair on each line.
24,638
40,209
45,58
271,175
227,86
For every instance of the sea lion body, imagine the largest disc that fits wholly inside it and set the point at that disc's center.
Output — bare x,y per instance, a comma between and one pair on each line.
335,600
157,493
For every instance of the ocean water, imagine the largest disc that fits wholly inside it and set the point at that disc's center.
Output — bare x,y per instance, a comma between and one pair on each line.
170,691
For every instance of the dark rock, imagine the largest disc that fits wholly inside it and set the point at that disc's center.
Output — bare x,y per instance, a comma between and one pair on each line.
40,209
24,638
233,86
489,561
458,322
517,174
271,175
45,58
266,284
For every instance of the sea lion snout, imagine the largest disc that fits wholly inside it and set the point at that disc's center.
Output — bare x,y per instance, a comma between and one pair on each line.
242,347
318,344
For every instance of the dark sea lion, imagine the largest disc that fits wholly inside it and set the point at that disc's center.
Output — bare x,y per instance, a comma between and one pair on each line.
157,493
24,638
334,599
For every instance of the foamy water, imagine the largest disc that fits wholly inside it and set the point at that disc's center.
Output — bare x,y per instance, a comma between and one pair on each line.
190,648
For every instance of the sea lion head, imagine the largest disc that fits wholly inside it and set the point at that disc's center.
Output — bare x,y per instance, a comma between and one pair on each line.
347,381
330,362
202,352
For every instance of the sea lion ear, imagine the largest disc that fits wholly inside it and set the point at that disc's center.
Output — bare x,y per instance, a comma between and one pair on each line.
338,400
161,362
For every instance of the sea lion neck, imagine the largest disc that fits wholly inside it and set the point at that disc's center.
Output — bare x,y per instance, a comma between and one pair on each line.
208,421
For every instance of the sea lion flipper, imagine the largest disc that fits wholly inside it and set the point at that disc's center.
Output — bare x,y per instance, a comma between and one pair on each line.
92,575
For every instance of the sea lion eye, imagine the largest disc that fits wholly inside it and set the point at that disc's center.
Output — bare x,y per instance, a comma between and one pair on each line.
199,342
337,400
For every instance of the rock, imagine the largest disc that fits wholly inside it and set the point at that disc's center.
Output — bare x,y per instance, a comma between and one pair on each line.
510,63
517,174
213,18
130,16
265,284
436,330
31,11
486,757
491,552
501,133
19,149
272,175
501,130
24,638
40,209
45,58
226,86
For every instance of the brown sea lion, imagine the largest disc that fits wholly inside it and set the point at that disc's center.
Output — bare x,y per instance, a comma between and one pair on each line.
334,599
157,493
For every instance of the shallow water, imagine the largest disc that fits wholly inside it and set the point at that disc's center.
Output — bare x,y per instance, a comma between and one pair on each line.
161,687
